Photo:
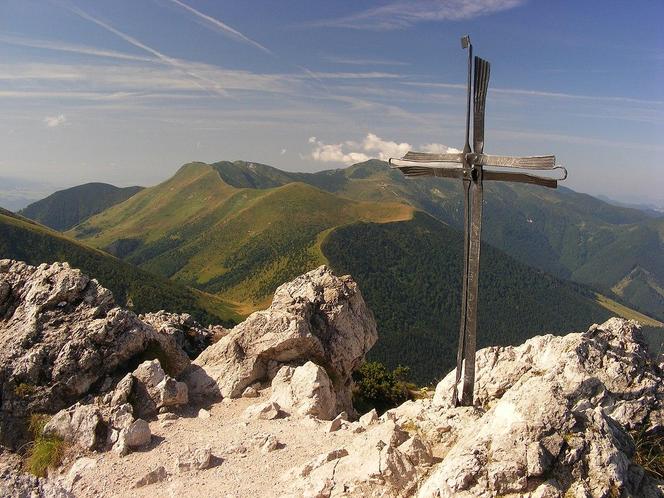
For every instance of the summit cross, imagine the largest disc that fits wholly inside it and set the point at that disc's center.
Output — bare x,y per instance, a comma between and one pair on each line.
473,174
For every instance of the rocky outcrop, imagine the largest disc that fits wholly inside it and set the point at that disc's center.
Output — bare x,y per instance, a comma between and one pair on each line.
317,317
554,417
117,418
61,337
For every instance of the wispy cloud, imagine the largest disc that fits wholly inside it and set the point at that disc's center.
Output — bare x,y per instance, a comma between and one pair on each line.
183,66
372,146
222,26
365,62
68,47
404,14
54,121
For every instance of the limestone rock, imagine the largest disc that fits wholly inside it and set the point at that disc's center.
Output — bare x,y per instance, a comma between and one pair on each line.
250,392
371,466
554,406
60,335
78,424
154,476
188,334
305,390
153,389
19,485
369,418
317,317
198,459
203,413
136,435
263,411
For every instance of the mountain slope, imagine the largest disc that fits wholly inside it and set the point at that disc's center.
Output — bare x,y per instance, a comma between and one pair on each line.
238,242
28,241
410,275
67,208
570,235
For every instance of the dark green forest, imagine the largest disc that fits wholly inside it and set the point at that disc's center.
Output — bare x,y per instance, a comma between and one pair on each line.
410,275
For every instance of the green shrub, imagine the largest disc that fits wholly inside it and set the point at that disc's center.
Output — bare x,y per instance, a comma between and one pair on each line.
377,387
45,451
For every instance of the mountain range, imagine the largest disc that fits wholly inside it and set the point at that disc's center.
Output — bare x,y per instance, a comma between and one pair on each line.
552,260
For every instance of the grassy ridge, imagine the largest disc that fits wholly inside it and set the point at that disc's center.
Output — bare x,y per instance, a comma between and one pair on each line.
239,243
27,241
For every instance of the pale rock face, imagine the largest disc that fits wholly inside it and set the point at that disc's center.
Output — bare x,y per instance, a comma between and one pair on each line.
373,465
553,406
305,390
317,317
60,333
188,334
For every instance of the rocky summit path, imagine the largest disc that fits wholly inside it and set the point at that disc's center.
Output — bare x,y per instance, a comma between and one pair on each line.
242,464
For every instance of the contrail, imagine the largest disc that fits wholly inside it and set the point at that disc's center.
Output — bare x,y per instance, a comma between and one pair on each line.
223,26
67,47
170,61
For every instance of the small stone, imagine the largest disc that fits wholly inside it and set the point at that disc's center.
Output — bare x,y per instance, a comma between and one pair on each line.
265,411
157,475
199,459
335,424
203,413
250,392
137,434
167,416
369,418
271,443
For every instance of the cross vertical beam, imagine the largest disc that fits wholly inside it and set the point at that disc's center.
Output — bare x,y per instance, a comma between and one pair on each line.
473,175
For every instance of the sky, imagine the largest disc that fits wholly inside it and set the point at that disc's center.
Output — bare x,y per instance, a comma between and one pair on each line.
126,91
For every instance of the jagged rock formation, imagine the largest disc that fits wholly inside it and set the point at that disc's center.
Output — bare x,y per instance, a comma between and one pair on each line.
61,337
317,317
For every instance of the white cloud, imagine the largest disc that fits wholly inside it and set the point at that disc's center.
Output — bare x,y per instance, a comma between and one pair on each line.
435,148
372,146
402,14
53,121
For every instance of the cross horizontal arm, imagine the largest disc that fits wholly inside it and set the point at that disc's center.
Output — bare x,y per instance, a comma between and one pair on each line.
413,171
427,157
505,176
528,162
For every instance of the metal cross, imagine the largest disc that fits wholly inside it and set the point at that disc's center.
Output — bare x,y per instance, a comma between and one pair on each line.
473,174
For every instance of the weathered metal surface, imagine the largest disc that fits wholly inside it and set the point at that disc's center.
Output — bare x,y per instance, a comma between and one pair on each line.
473,174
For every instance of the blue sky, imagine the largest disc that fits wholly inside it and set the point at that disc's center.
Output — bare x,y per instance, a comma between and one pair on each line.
125,91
